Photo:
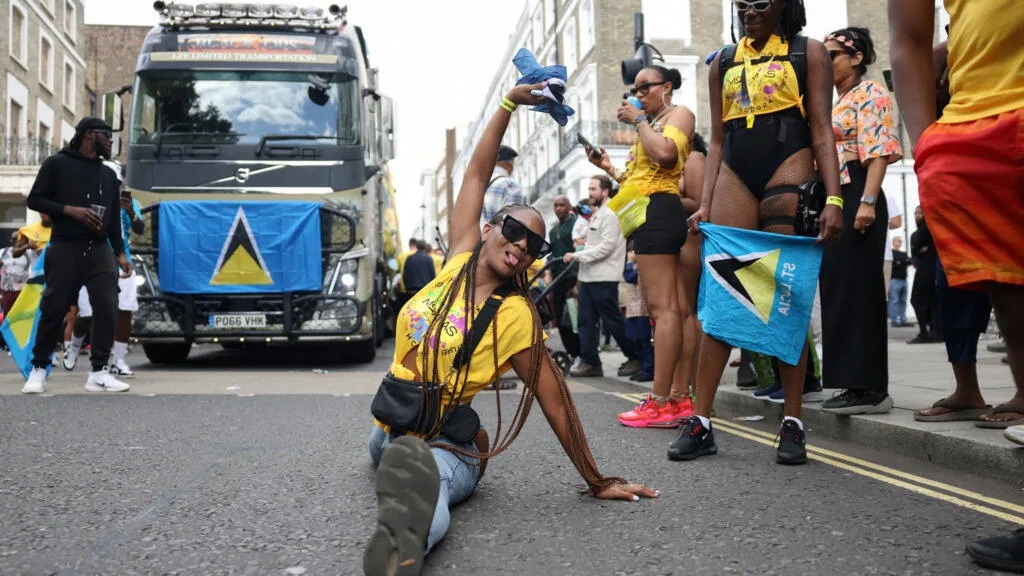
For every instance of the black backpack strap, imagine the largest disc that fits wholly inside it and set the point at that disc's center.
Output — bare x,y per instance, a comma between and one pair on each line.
480,324
798,58
725,60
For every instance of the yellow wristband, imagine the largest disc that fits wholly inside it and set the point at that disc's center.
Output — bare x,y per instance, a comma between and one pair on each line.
835,201
508,105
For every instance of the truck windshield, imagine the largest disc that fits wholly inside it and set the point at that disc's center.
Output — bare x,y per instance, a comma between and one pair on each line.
242,106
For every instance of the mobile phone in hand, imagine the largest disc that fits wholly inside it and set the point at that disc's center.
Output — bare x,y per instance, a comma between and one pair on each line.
595,152
127,194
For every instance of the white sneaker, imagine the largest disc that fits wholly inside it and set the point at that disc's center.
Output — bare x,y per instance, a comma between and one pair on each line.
103,381
36,383
1014,434
122,369
71,356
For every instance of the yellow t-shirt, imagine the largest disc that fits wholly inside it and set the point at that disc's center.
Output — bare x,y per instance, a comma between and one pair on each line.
986,64
438,263
771,81
514,320
648,176
37,234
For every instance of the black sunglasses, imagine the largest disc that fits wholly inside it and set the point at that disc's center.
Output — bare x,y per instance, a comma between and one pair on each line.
645,87
107,133
513,230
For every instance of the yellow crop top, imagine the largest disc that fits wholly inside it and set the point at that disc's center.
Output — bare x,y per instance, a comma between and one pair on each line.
648,176
514,319
770,79
985,59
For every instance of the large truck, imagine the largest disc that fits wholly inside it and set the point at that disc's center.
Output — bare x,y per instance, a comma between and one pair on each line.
257,145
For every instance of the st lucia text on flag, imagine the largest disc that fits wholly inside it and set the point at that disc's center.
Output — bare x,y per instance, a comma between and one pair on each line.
757,289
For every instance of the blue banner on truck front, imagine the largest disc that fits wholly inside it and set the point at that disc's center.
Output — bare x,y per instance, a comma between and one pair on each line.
223,247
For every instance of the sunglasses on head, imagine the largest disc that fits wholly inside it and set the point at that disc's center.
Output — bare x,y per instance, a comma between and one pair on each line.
643,88
513,230
755,5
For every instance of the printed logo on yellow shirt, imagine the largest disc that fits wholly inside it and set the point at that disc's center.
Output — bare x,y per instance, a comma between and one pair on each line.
240,260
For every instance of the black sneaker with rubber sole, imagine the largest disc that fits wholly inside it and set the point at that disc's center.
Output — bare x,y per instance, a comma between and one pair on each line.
694,441
792,448
408,483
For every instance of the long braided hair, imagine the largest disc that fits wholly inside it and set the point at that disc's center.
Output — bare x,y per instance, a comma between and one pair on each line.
429,361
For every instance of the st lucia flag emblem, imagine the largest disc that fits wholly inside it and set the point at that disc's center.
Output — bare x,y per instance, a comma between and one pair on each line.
22,320
230,247
240,260
757,289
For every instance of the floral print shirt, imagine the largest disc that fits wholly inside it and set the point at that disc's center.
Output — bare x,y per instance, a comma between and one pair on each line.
862,122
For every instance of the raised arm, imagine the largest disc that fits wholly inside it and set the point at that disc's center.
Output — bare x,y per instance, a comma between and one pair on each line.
910,50
465,226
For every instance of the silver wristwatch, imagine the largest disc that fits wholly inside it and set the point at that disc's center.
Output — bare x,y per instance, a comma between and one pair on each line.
867,199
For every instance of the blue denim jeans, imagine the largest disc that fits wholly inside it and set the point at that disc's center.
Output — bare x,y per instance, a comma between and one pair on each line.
458,479
898,301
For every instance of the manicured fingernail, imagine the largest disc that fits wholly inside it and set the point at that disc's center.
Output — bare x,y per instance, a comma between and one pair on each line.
635,498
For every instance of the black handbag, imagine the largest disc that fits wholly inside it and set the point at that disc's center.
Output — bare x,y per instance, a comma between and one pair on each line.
407,406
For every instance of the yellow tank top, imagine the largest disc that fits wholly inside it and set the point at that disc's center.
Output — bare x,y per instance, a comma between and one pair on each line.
648,176
759,83
986,63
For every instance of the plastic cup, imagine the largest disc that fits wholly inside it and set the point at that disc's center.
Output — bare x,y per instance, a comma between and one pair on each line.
99,209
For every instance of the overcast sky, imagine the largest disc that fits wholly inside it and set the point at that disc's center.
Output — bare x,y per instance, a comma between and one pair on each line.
435,66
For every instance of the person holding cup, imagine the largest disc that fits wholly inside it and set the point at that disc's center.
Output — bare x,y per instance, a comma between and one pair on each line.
81,195
651,214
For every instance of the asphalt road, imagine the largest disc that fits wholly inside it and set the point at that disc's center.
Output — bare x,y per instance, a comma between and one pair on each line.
252,463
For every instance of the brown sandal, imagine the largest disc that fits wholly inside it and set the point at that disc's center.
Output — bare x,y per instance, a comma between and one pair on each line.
1004,408
957,412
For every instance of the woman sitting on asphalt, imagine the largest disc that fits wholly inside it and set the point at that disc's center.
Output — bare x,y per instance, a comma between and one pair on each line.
417,482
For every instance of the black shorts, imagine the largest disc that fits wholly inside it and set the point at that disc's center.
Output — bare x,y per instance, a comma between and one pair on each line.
664,231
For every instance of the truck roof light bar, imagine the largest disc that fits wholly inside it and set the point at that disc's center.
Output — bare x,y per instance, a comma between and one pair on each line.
217,14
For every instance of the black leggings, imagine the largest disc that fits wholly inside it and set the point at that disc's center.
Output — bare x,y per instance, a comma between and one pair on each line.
754,154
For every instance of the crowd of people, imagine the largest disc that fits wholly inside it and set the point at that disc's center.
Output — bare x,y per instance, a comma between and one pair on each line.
778,139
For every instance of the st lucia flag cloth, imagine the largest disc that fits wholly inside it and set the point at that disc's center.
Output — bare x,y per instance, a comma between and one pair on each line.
19,326
229,247
757,289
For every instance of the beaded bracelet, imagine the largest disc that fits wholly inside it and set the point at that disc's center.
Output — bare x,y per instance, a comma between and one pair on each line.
508,105
835,201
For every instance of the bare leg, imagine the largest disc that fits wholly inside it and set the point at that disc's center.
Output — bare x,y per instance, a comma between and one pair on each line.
658,273
684,382
793,384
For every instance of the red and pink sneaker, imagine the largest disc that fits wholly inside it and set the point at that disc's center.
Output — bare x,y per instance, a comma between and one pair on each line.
649,415
683,409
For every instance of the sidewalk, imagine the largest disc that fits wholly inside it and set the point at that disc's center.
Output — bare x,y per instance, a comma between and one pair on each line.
919,375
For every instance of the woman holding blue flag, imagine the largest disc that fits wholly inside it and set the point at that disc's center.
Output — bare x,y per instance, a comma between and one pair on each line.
772,91
445,355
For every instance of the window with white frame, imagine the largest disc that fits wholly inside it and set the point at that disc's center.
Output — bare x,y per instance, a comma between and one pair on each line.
537,30
19,34
45,61
569,46
69,86
70,18
586,15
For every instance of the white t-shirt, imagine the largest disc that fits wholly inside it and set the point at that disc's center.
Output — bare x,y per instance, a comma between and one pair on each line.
579,229
894,210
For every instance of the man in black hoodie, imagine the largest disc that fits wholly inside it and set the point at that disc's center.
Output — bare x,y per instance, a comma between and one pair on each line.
82,197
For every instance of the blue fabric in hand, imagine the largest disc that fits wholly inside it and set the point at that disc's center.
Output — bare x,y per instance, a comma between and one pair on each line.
555,76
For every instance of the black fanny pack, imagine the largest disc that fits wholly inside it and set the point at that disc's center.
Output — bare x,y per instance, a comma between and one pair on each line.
408,406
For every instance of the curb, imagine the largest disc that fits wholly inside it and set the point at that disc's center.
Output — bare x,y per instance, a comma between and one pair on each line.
955,445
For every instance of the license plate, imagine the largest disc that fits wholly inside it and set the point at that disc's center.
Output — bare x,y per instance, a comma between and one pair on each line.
238,321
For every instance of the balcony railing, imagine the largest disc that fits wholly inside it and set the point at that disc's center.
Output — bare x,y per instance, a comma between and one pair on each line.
602,133
24,151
